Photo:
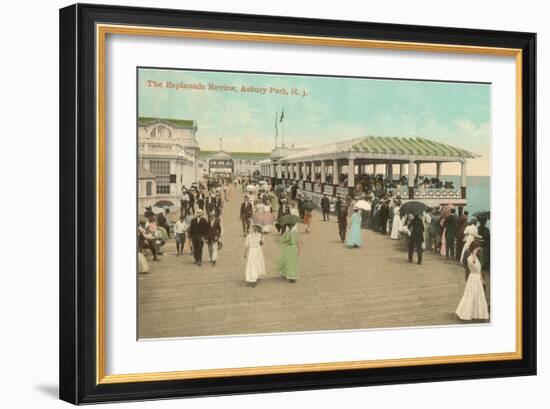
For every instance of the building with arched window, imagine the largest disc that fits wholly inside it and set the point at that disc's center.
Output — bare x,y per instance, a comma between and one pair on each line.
168,152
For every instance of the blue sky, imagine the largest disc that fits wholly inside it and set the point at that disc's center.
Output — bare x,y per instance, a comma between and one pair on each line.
334,109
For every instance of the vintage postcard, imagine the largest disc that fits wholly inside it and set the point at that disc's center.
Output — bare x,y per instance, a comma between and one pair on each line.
276,203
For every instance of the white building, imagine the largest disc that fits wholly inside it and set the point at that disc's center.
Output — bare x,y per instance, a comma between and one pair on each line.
168,152
236,163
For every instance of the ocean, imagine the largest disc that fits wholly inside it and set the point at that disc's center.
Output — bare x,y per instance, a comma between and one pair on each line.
478,191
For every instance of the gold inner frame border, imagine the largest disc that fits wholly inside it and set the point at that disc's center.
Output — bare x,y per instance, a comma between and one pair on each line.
102,30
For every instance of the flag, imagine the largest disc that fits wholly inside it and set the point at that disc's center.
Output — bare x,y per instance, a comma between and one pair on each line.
276,129
282,115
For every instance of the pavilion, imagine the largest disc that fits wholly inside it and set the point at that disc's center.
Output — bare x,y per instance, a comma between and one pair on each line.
326,168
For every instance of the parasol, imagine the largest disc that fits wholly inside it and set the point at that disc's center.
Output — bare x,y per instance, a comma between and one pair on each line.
308,206
412,207
362,204
164,203
289,219
252,188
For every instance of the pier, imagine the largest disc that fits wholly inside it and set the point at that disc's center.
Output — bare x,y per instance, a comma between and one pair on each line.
338,288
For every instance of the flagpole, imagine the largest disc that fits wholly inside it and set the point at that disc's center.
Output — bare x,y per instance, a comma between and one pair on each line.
276,133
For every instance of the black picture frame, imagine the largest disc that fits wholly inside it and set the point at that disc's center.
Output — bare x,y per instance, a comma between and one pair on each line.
78,297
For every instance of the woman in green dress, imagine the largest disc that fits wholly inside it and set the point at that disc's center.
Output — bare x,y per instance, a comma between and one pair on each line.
287,264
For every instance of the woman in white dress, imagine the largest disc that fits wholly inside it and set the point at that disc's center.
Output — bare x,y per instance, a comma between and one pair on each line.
473,304
255,263
397,224
470,234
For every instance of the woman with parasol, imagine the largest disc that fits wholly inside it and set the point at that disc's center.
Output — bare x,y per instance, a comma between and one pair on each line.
253,253
287,264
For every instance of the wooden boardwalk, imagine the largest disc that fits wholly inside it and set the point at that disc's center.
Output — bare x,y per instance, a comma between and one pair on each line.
338,288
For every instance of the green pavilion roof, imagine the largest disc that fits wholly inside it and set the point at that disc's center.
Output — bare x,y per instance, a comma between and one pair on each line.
377,147
179,123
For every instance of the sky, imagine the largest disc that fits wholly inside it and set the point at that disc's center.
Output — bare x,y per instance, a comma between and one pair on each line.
321,110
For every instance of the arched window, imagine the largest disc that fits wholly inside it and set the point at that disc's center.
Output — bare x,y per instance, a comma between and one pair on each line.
160,131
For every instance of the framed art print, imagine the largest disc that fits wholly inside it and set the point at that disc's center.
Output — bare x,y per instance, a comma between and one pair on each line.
257,203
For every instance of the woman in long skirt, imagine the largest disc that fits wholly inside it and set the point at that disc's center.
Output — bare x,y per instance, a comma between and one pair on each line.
473,304
255,263
287,265
397,225
354,236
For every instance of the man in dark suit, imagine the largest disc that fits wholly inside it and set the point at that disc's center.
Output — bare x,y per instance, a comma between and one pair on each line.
485,234
198,231
299,203
191,201
383,215
246,215
338,205
461,226
325,207
451,224
342,222
416,238
284,209
213,237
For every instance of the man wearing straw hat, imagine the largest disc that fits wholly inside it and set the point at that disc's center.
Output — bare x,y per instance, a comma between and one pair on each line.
246,215
197,233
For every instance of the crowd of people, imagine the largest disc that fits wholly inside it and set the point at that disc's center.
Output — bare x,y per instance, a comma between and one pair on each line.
441,230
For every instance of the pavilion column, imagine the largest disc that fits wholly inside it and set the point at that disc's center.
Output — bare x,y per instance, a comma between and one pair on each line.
335,172
323,172
401,170
274,171
463,175
304,171
312,171
438,170
389,172
418,171
279,170
351,173
411,180
287,166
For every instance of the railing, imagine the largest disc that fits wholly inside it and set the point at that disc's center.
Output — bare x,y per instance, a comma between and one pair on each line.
420,193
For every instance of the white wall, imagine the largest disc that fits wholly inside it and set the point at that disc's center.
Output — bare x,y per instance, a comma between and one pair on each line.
28,300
